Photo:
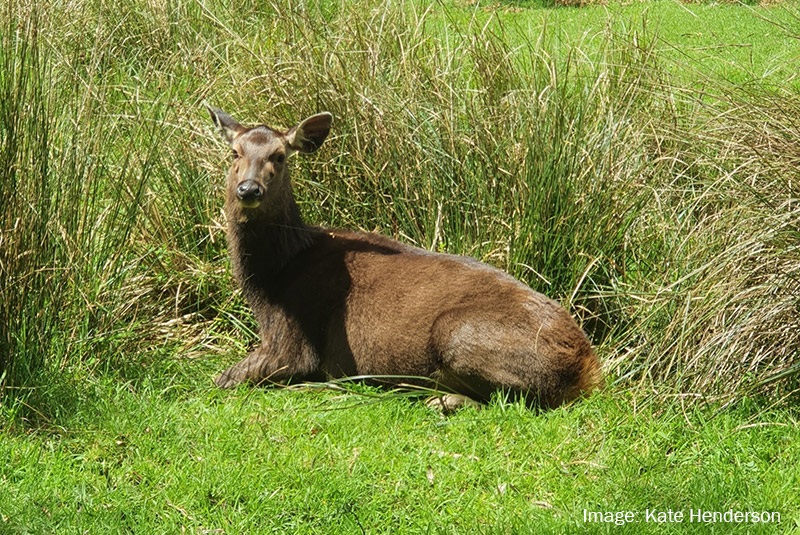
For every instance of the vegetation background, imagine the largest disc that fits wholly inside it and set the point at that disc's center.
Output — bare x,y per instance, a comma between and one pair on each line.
637,161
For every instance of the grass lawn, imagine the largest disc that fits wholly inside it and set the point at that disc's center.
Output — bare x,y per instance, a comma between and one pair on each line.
150,458
636,161
698,43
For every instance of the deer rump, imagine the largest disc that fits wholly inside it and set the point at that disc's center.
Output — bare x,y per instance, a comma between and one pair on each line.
345,303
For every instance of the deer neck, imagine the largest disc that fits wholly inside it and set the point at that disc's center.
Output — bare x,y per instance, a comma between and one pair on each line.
261,243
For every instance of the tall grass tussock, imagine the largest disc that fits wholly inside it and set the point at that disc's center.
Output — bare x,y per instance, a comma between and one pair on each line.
663,213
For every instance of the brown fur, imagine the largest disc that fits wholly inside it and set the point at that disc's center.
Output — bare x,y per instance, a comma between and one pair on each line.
333,303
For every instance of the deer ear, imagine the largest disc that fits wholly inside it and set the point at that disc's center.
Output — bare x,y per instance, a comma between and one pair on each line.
309,135
228,127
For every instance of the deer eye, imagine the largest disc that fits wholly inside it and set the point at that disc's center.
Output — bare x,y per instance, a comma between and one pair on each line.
279,158
235,154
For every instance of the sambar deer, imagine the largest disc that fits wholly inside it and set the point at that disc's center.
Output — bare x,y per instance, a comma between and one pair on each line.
337,303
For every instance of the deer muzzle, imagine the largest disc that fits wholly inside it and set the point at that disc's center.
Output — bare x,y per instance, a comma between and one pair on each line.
249,193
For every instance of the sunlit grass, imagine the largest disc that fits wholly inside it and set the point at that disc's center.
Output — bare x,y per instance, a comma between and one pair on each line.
636,162
147,458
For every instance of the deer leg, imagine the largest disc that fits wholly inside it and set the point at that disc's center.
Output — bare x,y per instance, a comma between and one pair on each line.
541,359
264,366
479,353
256,368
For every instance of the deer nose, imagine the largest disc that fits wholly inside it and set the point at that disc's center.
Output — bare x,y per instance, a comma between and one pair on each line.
249,192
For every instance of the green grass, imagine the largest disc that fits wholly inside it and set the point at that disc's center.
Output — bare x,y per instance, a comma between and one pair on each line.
149,458
637,162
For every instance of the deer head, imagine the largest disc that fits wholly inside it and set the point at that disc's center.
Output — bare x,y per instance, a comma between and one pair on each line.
258,180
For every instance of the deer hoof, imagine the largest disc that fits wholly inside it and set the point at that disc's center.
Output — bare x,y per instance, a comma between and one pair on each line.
449,403
227,380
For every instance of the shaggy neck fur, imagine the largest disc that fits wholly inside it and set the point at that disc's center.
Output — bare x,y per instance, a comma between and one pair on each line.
262,242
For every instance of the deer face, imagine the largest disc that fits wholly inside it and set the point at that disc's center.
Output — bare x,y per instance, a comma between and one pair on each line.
259,160
258,177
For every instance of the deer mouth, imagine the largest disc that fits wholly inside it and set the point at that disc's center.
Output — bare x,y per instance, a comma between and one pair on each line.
249,203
